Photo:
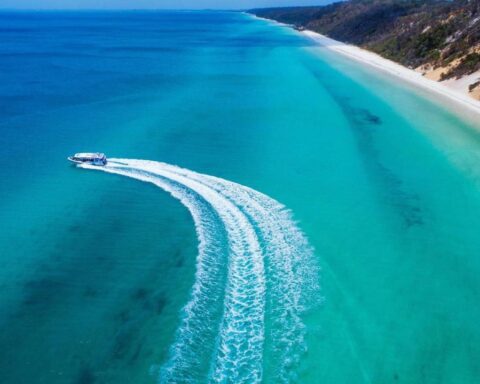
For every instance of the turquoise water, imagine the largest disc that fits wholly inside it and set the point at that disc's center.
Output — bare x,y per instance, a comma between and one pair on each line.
97,268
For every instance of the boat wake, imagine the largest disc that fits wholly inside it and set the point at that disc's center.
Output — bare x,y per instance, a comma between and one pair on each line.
255,273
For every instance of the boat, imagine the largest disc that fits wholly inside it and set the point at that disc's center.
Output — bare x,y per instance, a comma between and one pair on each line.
89,158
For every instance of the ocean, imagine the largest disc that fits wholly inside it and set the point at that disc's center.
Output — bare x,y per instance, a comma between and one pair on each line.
273,212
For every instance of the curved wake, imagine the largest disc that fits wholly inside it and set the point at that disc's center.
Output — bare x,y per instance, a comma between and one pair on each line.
255,270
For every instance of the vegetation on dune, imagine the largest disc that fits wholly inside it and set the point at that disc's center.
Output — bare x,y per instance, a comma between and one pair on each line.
468,64
471,87
412,32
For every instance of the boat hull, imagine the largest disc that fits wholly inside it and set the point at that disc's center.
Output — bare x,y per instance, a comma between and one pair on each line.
97,163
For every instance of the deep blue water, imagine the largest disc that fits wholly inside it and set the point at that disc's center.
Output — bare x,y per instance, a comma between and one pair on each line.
96,268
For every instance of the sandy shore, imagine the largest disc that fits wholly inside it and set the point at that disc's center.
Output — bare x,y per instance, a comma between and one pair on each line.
450,91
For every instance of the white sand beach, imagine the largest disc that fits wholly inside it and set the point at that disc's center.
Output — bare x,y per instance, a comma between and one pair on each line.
452,90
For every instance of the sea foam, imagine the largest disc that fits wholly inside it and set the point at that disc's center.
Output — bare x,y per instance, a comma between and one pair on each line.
269,264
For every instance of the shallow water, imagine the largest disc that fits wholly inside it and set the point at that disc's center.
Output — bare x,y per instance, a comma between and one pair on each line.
96,268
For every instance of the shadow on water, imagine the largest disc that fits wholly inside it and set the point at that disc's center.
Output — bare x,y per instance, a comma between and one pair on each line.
364,125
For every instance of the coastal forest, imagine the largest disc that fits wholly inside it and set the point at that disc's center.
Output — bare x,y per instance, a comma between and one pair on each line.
416,33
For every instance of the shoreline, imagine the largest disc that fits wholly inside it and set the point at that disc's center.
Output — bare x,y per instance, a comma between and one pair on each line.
385,65
373,60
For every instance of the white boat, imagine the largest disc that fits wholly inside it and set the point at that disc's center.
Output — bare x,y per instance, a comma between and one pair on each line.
88,158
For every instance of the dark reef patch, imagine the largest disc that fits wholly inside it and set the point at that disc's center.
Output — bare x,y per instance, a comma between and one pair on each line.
179,259
41,292
155,304
369,117
140,294
90,292
86,376
123,316
150,303
127,344
364,125
74,228
122,341
136,354
160,303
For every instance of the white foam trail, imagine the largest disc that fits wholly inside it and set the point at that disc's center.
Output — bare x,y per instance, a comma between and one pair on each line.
183,361
292,272
260,234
